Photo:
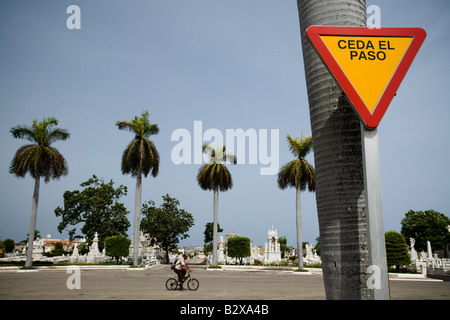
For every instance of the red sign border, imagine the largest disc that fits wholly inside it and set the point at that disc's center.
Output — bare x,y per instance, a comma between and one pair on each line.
369,120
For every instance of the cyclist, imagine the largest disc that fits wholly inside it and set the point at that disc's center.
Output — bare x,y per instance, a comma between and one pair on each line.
180,269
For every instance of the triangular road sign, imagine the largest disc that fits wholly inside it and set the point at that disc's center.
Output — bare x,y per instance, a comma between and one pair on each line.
368,63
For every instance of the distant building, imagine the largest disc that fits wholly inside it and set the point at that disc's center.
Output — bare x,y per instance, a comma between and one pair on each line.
271,253
49,243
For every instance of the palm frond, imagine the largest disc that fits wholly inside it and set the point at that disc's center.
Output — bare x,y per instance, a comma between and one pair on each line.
140,126
125,125
215,174
57,135
230,158
300,147
141,155
298,173
212,175
306,146
219,156
209,150
23,132
150,161
39,159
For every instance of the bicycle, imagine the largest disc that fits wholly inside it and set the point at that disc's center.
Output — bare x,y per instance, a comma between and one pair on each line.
192,283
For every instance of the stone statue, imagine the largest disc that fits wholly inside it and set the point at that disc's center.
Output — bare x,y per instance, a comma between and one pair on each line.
412,252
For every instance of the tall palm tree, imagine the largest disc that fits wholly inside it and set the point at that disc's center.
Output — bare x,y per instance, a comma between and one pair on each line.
338,159
298,174
38,159
214,175
140,157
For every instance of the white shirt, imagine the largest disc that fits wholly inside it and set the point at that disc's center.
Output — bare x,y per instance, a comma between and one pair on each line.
180,263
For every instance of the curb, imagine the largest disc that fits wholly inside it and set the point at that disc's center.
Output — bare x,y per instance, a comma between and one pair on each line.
262,269
82,267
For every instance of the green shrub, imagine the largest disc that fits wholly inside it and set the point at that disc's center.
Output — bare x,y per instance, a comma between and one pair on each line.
117,246
396,250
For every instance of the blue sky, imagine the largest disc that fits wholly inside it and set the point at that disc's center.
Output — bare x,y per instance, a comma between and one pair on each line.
232,65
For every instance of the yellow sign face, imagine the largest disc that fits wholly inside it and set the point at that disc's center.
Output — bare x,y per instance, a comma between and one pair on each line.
368,62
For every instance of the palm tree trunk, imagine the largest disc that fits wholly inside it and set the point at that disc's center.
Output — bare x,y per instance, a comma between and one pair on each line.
215,221
34,207
167,253
137,218
338,159
299,228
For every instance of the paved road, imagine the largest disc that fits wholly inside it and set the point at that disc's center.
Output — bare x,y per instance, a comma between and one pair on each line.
149,284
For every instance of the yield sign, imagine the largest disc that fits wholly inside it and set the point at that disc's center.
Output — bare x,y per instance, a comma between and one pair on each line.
369,64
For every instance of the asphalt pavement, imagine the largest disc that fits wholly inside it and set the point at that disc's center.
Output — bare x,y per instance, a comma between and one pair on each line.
83,283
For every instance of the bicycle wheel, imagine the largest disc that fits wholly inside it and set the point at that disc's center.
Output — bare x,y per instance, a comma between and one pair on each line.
171,284
193,284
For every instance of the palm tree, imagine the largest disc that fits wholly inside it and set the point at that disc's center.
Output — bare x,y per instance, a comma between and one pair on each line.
336,131
214,175
140,157
38,159
298,174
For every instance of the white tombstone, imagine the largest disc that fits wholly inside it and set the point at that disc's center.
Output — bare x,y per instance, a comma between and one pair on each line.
94,252
75,254
429,252
93,249
221,252
38,248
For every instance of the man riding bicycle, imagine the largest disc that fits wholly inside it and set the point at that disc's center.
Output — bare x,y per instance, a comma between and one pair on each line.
180,269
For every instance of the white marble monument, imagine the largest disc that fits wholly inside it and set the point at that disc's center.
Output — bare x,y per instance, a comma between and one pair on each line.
94,255
272,252
38,248
311,255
